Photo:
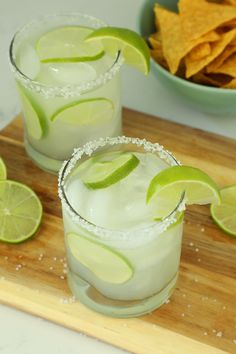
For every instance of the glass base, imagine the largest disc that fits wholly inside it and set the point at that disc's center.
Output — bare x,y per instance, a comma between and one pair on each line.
42,161
93,299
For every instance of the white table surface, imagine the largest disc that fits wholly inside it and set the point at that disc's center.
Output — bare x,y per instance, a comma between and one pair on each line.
22,333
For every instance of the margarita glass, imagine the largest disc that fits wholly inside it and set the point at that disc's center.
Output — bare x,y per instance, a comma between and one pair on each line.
122,261
69,89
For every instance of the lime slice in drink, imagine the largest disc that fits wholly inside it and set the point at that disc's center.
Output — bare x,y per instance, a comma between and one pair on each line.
20,212
103,173
133,47
3,170
34,124
86,112
83,166
225,214
66,44
106,263
166,188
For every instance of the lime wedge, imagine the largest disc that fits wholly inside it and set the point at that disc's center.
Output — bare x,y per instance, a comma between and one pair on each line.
33,124
133,47
103,173
225,214
3,170
66,44
106,263
20,212
166,188
86,112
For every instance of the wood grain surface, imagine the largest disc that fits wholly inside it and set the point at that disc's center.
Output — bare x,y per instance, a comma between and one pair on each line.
201,315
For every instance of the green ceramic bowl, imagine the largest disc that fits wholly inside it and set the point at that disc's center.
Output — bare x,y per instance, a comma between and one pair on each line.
212,100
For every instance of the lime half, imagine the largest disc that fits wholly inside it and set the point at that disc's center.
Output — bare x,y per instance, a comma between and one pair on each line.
3,170
225,214
133,47
103,173
106,263
86,112
66,44
166,188
20,212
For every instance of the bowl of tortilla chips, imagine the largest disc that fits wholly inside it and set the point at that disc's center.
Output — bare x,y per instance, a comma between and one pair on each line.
193,50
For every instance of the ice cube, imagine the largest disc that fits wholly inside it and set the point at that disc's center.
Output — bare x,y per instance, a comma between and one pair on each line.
28,61
70,73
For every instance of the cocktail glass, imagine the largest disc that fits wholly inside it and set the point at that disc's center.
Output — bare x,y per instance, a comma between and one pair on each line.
65,103
122,262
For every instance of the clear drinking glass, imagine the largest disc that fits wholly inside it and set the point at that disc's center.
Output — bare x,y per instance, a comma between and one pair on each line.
64,104
120,262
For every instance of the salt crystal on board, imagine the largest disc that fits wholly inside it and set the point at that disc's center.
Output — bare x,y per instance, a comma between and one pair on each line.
219,334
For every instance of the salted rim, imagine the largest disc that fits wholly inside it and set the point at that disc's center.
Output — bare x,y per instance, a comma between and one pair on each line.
88,149
63,90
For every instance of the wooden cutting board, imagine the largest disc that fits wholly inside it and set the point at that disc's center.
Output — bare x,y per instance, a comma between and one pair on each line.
201,315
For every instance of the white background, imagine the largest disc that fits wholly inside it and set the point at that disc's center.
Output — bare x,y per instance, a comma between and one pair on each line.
21,333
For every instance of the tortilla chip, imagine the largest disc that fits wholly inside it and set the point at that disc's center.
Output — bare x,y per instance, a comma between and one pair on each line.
199,17
216,80
229,50
228,67
216,1
175,45
227,26
154,42
157,55
200,51
229,2
231,84
156,36
192,67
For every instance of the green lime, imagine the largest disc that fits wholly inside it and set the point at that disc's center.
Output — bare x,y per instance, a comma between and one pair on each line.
225,214
3,170
86,112
106,263
20,212
103,173
166,188
87,163
133,47
34,124
66,44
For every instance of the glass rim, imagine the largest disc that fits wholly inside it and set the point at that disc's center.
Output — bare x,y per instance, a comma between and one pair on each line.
65,90
88,149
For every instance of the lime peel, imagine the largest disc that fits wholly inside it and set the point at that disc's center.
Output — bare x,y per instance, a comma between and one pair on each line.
82,112
73,59
103,174
35,123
